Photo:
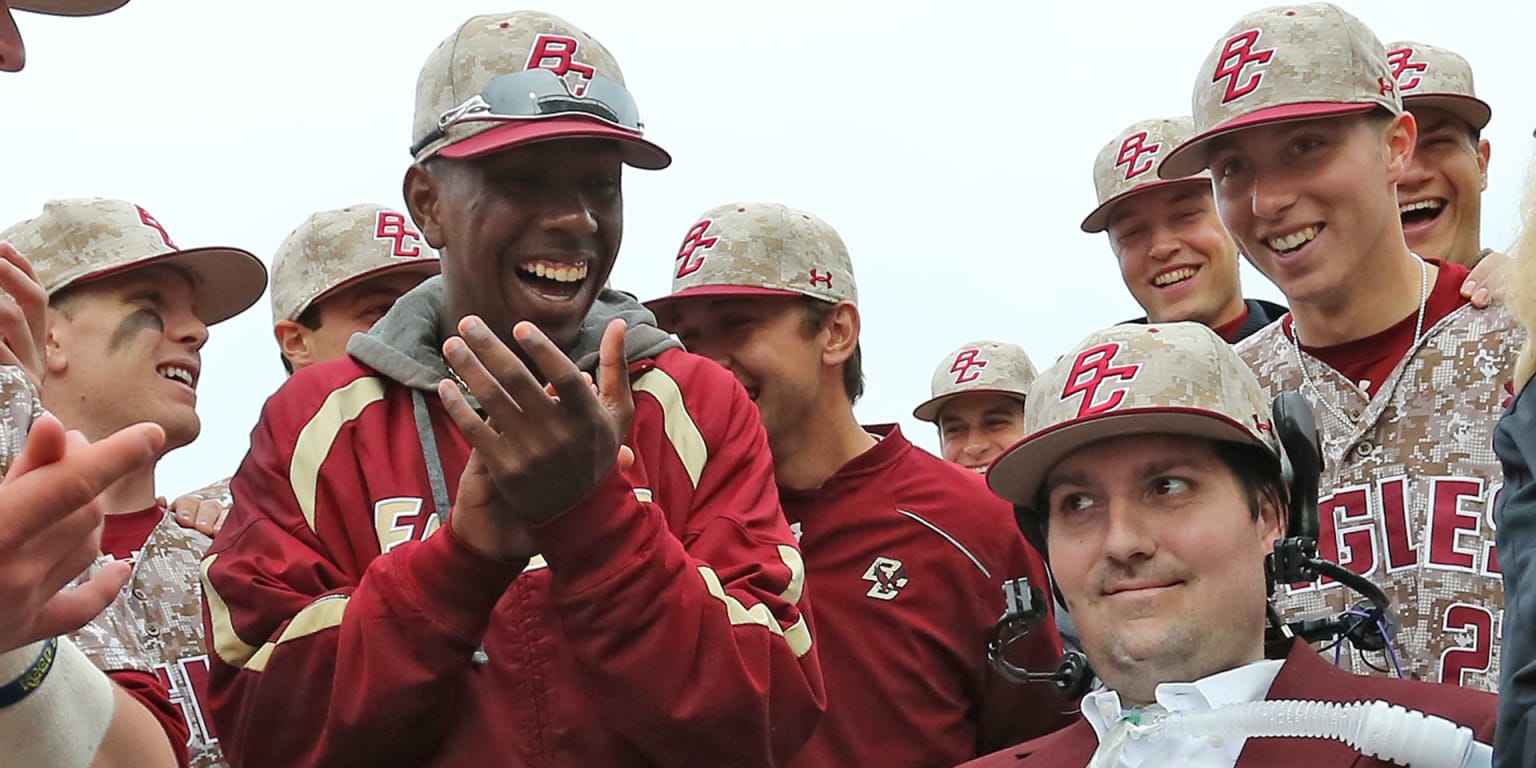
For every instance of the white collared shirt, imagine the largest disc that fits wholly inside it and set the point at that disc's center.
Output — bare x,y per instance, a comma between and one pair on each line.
1249,682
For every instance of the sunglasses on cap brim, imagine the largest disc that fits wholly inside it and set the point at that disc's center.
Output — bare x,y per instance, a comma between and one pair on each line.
539,93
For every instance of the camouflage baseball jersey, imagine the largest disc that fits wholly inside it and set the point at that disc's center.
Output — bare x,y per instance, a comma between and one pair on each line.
156,625
18,407
1408,489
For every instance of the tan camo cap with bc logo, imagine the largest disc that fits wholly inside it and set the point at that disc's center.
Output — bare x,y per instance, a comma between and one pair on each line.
1129,164
488,46
1430,76
978,367
1174,378
76,241
1289,62
337,248
761,249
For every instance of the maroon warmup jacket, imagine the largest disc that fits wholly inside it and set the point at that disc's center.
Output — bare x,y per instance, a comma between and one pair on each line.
906,555
663,624
1305,676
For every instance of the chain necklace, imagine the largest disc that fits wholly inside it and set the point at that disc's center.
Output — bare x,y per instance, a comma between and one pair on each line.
1418,336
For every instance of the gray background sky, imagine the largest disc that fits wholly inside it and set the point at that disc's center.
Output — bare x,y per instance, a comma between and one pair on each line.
951,144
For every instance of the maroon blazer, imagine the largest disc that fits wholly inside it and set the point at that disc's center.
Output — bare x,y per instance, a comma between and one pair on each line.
1305,675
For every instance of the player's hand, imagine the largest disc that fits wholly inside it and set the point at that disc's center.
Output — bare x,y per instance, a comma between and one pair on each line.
1489,281
200,514
50,527
23,315
534,454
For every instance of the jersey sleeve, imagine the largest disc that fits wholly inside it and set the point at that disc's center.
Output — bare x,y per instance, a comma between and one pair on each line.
695,643
150,693
316,650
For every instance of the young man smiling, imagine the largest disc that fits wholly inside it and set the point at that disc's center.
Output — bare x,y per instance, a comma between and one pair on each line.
457,547
1300,123
897,543
977,401
1440,195
128,316
335,275
1152,478
1175,256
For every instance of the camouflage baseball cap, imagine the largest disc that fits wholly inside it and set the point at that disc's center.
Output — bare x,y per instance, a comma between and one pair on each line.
76,241
457,104
68,7
1430,76
1129,164
1176,378
334,249
979,367
761,249
1289,62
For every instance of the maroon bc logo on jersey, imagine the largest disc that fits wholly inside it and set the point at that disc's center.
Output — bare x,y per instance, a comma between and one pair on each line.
557,53
695,240
889,577
391,226
964,363
1088,373
1131,152
1236,55
1402,63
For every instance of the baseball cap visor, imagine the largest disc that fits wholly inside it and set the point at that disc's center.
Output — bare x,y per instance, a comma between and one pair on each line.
929,409
714,291
1098,221
426,267
1475,111
638,152
1016,475
1190,157
227,281
68,7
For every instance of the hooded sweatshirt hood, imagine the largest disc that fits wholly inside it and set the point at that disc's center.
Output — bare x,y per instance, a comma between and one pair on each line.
405,345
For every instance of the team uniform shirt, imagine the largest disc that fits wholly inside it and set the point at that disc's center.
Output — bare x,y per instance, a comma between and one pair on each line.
662,625
1409,482
905,556
1103,710
19,405
165,600
1302,676
116,642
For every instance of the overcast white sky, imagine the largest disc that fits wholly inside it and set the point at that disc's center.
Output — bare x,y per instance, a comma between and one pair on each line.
950,143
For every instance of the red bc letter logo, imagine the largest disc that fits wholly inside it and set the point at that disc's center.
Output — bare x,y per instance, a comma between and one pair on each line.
1131,150
557,53
964,362
1236,55
391,226
695,240
153,223
1088,373
1402,63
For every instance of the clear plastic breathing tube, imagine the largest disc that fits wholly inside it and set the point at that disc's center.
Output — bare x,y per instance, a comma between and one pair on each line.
1376,729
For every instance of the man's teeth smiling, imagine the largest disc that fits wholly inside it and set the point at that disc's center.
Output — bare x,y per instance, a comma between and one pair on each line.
552,270
176,373
1294,240
1174,276
1422,205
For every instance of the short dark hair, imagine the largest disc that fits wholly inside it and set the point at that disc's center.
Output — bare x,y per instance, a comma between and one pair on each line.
309,318
817,314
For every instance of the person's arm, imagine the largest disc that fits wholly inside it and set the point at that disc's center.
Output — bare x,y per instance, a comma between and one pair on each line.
1515,443
318,656
144,726
727,595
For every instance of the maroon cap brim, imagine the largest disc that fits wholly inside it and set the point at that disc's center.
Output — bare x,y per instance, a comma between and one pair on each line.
1016,475
227,280
1098,221
638,152
1475,111
714,291
1190,158
68,7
